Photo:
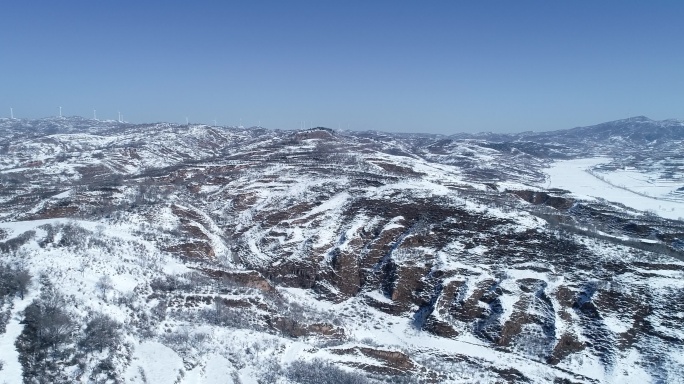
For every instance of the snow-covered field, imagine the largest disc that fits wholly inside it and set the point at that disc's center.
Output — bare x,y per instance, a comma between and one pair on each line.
645,183
573,175
9,356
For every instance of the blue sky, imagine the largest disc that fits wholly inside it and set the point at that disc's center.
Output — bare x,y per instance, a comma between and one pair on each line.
408,66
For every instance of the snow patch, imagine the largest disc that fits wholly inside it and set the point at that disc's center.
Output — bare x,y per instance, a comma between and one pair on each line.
158,363
573,175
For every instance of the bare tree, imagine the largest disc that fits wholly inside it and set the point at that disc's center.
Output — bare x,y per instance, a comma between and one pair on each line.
101,332
320,371
48,321
14,281
23,281
104,284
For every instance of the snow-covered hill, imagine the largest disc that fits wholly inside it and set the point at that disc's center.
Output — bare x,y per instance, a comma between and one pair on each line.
162,253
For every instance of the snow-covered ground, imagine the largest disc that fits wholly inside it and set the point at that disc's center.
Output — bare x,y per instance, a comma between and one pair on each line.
154,363
9,356
650,184
572,175
491,261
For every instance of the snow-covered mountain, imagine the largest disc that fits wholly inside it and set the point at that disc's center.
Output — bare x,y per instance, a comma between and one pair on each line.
165,253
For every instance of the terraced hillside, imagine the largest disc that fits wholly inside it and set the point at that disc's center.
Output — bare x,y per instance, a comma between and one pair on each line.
258,255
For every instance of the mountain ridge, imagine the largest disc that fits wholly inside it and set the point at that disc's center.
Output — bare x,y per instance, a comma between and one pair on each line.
83,122
264,254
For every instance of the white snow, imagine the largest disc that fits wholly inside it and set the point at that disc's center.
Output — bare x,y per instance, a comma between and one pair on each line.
478,250
629,369
615,324
248,375
12,370
133,255
160,364
335,202
217,370
377,296
572,175
62,195
641,182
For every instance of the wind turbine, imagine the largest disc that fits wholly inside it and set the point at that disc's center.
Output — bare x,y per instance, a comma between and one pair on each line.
60,111
11,113
187,121
119,117
94,114
215,125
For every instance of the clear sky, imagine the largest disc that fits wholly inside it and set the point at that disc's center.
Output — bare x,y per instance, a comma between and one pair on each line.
409,66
